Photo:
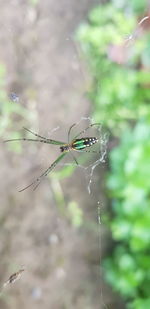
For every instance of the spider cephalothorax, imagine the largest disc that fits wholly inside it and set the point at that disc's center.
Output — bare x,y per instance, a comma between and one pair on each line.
65,148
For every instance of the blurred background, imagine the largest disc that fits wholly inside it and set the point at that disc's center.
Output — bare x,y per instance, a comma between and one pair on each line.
60,62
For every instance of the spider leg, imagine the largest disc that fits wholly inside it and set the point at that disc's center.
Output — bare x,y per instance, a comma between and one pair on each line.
42,140
91,151
27,139
70,132
83,131
74,158
35,134
48,170
50,141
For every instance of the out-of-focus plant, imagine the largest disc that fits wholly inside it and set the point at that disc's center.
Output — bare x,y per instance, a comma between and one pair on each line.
128,270
119,92
69,210
7,107
10,111
75,214
119,59
65,172
34,2
132,6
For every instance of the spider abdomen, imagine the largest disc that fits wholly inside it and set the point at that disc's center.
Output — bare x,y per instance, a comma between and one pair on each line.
82,143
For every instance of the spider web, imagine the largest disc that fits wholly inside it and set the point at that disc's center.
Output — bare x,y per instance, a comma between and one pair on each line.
136,33
89,170
100,156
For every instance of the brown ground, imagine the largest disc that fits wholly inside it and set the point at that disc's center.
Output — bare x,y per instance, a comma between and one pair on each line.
61,261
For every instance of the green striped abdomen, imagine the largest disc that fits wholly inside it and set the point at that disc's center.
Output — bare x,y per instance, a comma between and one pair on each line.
82,143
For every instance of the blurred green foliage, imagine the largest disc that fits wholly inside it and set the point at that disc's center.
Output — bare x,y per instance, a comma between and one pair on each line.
34,2
120,95
132,6
7,107
65,172
128,270
70,210
10,112
75,214
118,92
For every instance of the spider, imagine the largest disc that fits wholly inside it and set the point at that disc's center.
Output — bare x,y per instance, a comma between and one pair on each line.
76,144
